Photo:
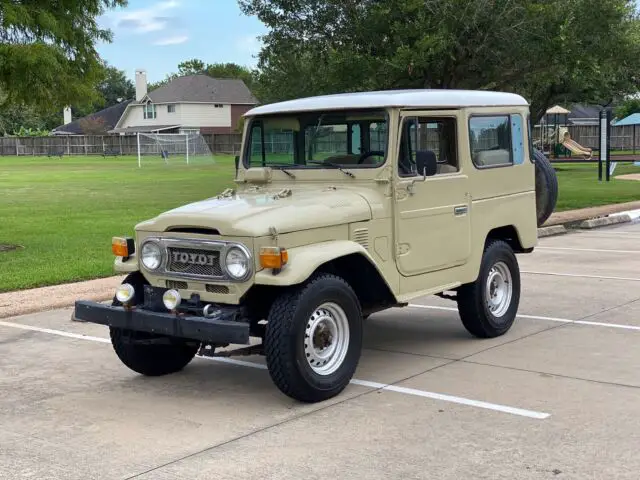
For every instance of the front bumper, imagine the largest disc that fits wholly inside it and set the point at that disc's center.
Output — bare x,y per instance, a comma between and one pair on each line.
219,329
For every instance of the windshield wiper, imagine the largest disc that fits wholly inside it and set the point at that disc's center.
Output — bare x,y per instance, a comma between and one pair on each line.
281,167
334,165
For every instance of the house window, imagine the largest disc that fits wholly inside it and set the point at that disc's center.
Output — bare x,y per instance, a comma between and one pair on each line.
149,110
219,105
171,108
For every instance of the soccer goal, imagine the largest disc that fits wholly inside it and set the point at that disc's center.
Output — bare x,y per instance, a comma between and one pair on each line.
185,148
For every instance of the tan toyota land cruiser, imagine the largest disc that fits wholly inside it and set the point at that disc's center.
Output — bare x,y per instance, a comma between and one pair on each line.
344,205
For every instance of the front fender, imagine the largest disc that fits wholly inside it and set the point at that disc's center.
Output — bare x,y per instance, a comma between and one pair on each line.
128,266
305,260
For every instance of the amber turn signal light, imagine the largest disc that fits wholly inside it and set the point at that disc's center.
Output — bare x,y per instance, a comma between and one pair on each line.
122,246
273,257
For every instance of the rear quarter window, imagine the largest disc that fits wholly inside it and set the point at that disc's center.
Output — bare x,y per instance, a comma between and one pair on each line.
491,141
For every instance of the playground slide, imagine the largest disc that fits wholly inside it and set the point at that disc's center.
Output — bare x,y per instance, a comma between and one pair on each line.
575,147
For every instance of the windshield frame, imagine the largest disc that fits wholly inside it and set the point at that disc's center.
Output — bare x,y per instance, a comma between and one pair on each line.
383,111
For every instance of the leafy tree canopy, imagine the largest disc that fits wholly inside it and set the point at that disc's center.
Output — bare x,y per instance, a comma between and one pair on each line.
48,54
550,51
627,107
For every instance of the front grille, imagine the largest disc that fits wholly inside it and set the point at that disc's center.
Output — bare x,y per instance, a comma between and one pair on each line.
191,261
222,289
177,285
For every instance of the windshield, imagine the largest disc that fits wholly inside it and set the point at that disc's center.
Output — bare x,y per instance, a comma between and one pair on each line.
346,139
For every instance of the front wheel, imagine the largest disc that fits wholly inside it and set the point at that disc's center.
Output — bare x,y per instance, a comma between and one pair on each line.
147,353
313,339
489,305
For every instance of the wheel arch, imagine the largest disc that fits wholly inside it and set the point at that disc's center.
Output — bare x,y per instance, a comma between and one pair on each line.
508,234
347,259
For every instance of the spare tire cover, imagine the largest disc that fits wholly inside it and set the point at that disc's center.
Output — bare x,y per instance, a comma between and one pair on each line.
546,187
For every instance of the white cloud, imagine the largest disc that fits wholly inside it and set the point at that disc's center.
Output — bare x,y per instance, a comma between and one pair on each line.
175,40
146,20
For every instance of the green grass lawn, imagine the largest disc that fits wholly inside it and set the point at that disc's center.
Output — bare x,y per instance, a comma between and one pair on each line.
578,186
65,211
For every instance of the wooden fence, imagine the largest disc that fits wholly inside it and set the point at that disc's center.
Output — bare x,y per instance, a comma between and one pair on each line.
586,135
98,144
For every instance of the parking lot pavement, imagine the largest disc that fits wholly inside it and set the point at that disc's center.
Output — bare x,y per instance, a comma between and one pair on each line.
556,397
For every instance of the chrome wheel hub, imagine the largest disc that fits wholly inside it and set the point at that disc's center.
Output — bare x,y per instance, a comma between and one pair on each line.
326,338
499,289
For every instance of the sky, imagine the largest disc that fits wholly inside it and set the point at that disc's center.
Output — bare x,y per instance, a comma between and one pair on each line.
156,35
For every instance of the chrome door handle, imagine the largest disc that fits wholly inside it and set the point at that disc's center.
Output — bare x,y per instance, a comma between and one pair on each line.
460,210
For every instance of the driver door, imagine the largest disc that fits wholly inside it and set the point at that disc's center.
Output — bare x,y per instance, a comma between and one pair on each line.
432,215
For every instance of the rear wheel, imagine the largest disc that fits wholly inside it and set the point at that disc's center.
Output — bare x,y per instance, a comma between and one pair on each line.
147,353
489,305
314,338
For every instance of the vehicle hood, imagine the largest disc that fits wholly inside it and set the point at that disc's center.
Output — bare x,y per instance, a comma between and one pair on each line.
255,213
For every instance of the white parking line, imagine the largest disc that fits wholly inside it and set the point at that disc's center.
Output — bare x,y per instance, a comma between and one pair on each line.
537,317
599,250
363,383
580,275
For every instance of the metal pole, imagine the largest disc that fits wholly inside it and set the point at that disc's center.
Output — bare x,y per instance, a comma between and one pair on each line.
603,144
608,143
634,139
139,160
187,137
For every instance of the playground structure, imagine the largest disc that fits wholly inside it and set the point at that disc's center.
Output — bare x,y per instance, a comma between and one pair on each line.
553,138
573,146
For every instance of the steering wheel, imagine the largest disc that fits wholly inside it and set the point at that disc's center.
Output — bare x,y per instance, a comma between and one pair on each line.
366,155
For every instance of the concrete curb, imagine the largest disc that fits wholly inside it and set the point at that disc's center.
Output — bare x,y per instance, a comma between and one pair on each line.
551,231
630,216
605,221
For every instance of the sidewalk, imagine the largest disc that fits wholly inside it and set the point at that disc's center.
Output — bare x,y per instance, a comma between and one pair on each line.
57,296
575,216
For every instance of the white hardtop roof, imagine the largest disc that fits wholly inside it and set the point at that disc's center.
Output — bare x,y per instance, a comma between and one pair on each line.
426,98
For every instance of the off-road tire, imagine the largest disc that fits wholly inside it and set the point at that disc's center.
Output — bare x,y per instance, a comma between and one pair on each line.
472,306
285,337
546,187
149,359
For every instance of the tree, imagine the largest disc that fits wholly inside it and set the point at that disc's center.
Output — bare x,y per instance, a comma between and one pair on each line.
217,70
550,51
115,87
48,54
627,107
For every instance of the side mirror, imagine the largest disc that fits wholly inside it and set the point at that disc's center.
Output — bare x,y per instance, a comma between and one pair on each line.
237,164
426,163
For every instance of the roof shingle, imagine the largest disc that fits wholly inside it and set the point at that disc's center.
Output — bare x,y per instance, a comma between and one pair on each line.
203,88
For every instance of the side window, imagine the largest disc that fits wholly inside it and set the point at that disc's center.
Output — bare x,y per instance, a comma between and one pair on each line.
434,134
517,139
356,136
490,138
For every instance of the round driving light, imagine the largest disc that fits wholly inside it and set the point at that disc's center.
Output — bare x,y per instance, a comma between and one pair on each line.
151,256
124,293
171,299
236,263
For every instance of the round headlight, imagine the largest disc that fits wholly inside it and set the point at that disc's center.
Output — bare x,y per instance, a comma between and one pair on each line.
171,299
151,256
237,263
125,292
